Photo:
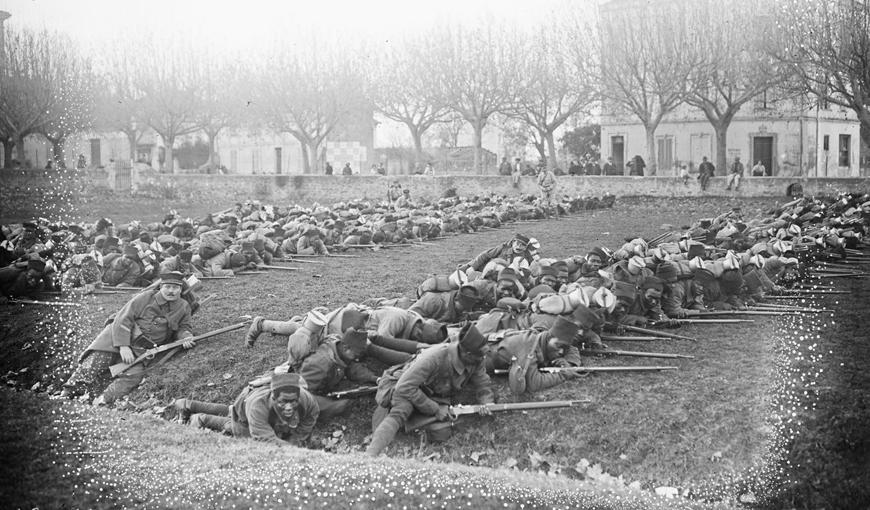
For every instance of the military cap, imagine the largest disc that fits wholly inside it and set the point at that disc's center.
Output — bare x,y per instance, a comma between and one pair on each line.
703,276
355,340
600,253
351,318
131,251
585,317
624,291
172,277
653,283
731,281
564,329
522,238
432,331
286,383
468,296
470,339
667,271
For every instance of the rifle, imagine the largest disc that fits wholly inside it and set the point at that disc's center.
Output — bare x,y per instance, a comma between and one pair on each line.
802,292
633,338
245,273
840,275
285,268
658,333
786,308
636,354
458,410
704,321
335,255
556,370
743,312
300,261
47,303
216,277
120,368
353,392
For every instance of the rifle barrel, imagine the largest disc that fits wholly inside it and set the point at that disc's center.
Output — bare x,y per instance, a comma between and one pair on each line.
713,321
658,333
634,338
284,268
636,354
459,410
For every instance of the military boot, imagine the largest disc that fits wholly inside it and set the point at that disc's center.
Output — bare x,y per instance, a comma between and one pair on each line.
383,436
254,331
182,406
261,325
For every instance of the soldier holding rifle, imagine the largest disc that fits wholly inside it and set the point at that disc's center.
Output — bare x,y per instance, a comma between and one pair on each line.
152,318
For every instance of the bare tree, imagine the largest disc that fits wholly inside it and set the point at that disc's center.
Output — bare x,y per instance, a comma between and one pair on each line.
224,98
307,92
402,90
475,72
735,66
170,84
38,86
827,47
72,110
119,102
558,79
646,62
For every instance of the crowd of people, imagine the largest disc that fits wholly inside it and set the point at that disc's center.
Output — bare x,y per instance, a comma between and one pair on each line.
509,309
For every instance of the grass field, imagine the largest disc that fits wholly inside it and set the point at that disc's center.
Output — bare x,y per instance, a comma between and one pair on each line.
718,430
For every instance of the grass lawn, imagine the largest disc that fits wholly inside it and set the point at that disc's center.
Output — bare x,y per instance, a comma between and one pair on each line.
706,429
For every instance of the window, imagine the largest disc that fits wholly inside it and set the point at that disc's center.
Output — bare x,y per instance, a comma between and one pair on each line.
845,145
826,143
665,154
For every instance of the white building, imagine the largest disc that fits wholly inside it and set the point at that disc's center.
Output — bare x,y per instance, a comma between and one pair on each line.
788,139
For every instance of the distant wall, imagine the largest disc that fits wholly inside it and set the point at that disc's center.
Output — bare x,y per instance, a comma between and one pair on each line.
305,189
22,187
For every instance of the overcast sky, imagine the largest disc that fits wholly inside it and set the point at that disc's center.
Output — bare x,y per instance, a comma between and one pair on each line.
253,23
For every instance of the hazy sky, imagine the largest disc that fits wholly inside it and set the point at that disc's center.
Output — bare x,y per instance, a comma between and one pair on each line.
253,23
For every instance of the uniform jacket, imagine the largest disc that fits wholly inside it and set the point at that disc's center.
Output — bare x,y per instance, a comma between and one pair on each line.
158,320
120,270
530,349
437,305
438,372
392,321
681,296
504,251
253,416
324,369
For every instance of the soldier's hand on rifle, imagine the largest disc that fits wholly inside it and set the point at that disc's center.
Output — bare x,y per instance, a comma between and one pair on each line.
127,355
561,363
671,323
251,265
680,314
484,411
190,344
443,413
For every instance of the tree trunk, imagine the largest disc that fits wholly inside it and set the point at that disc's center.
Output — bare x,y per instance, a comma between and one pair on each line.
212,135
170,160
312,155
133,141
551,146
8,146
721,130
478,145
306,161
417,136
22,154
650,150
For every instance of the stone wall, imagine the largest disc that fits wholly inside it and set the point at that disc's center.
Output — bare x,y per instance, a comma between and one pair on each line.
306,189
21,187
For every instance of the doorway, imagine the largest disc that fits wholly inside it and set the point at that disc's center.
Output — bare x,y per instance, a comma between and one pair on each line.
96,157
277,160
617,151
762,150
